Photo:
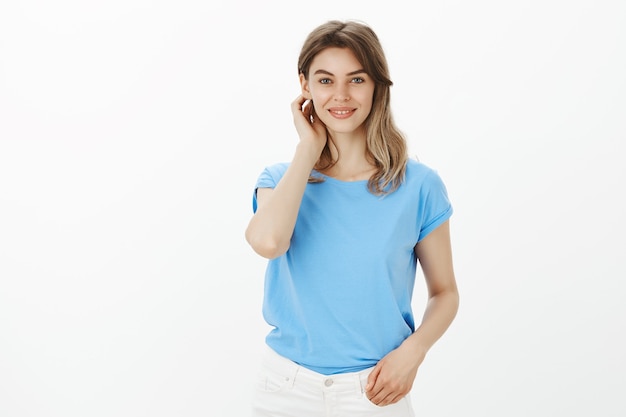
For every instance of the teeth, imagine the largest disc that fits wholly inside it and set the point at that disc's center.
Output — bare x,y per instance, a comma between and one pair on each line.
342,112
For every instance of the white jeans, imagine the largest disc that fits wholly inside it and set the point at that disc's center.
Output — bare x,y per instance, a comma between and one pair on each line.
285,389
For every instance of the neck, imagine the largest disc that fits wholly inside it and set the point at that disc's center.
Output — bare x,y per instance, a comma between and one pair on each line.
349,150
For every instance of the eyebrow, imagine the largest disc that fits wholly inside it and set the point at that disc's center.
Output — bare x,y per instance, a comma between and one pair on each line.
322,71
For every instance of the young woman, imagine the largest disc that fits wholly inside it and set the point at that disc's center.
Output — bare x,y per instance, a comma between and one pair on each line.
344,226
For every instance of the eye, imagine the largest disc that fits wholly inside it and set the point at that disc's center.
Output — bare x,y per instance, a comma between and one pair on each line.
325,81
358,80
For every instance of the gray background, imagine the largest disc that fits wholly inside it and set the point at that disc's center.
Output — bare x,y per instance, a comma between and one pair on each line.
131,135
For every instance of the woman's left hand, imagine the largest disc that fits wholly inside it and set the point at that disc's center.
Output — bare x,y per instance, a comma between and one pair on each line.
393,376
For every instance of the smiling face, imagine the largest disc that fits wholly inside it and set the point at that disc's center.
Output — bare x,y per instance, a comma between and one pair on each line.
341,91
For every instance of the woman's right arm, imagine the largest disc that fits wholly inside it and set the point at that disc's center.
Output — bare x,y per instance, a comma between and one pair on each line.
270,229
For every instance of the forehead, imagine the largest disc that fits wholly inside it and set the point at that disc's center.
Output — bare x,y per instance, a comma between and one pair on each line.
335,60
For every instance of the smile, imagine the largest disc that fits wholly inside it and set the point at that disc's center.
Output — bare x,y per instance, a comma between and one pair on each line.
341,113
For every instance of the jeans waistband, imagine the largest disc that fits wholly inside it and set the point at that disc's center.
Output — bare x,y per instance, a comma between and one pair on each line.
297,374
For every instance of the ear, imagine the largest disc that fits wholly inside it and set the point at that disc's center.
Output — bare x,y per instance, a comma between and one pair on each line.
304,85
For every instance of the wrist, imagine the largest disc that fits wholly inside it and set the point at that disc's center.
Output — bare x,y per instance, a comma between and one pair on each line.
416,346
307,153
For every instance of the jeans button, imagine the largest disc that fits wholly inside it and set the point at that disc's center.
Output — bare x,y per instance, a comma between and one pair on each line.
328,382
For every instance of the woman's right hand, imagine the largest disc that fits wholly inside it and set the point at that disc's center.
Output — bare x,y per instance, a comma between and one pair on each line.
271,228
310,128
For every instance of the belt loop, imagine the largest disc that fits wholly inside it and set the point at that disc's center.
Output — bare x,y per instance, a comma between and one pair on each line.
363,377
292,375
359,383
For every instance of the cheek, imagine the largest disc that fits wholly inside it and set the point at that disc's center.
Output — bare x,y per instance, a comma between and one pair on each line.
367,96
319,96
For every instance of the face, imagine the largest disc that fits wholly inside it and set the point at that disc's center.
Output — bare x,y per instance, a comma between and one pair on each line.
341,91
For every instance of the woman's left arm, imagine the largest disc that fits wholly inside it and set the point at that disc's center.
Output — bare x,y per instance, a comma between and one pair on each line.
392,378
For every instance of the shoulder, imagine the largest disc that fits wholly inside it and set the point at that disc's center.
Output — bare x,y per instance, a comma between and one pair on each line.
426,185
271,175
417,171
424,178
278,169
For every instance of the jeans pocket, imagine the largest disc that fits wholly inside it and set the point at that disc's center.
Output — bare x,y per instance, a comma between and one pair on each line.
268,381
402,407
368,402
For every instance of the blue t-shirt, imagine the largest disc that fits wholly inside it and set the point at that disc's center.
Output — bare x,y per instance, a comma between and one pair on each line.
340,298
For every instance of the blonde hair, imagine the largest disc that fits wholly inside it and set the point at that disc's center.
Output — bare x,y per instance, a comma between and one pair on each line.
386,145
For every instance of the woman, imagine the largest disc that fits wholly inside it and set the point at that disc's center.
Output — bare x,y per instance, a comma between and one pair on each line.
344,225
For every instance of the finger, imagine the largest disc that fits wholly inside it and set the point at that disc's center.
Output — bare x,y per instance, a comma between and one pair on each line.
387,399
393,399
371,378
380,398
297,103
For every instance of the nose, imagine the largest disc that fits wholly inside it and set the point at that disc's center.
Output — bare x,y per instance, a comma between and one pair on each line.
342,94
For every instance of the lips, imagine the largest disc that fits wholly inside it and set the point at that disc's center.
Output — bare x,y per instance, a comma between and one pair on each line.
341,112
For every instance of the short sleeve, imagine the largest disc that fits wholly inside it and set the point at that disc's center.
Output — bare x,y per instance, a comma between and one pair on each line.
268,179
435,206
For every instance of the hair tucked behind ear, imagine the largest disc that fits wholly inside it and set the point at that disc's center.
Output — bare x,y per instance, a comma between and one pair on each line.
386,145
